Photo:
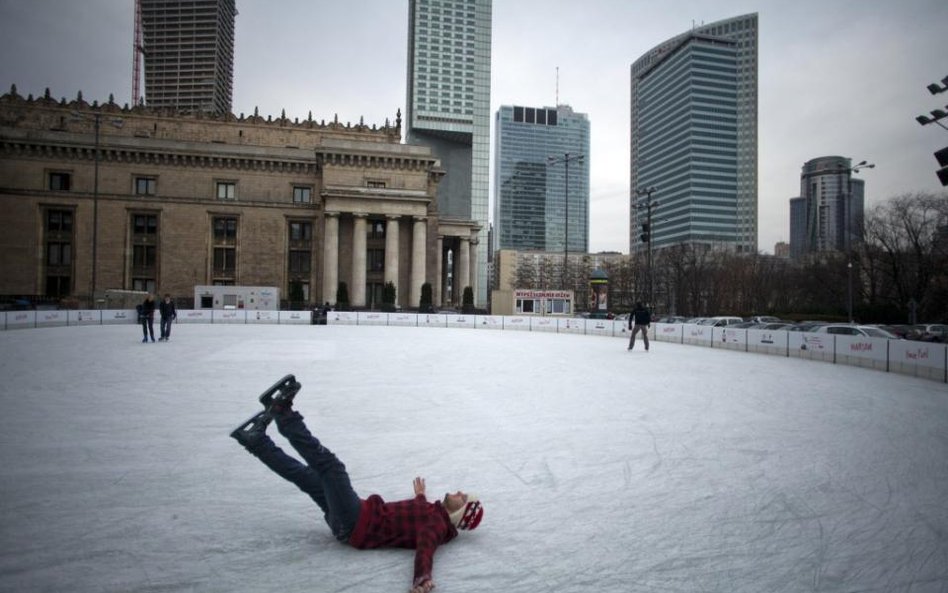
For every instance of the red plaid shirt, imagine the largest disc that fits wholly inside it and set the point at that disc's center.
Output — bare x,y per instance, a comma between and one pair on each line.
415,523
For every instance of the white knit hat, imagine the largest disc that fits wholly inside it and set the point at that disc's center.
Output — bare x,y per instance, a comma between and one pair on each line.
468,516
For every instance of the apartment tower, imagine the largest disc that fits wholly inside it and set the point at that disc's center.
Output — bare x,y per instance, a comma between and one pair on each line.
188,48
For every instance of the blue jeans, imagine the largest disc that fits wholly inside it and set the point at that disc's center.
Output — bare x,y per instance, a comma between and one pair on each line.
323,477
166,327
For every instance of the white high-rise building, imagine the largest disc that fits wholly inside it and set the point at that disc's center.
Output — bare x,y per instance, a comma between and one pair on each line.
448,109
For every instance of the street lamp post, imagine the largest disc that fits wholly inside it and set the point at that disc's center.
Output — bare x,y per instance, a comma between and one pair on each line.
97,125
849,231
647,236
566,159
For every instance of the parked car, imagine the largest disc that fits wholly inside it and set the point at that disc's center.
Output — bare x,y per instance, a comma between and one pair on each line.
672,319
746,325
931,332
806,326
784,325
765,319
721,321
842,329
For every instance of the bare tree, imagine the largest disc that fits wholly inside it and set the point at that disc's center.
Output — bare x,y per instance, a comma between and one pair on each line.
904,256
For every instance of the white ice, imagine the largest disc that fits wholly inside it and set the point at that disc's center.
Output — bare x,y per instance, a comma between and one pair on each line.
682,469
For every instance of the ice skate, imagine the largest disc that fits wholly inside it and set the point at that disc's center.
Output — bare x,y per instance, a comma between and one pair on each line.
280,396
252,429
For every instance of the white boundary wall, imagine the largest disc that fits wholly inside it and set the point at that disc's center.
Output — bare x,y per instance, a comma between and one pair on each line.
919,359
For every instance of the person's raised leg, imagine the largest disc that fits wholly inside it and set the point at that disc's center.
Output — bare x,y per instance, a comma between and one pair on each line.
341,499
252,435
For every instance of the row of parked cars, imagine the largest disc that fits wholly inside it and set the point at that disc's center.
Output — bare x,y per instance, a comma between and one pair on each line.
923,332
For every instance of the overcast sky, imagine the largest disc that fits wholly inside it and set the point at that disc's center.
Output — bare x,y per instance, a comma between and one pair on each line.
837,77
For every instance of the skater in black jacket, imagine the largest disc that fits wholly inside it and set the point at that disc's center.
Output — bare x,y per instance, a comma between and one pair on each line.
168,314
639,321
146,315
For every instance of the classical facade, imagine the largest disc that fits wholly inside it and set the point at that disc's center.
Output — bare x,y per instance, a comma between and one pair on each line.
99,197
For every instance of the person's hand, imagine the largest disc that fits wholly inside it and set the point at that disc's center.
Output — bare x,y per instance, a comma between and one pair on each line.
424,587
419,485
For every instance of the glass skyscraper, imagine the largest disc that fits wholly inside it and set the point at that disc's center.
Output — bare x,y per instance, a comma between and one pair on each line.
448,107
189,54
828,215
530,191
694,137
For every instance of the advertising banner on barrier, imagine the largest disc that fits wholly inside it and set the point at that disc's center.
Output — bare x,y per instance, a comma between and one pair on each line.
571,325
667,332
599,327
460,320
55,318
732,339
372,318
489,322
85,317
119,316
432,320
196,316
812,345
765,341
229,316
518,322
263,316
698,335
21,319
403,319
341,318
861,351
919,359
542,324
295,318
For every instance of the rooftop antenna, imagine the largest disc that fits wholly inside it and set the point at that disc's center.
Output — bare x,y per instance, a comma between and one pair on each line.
557,104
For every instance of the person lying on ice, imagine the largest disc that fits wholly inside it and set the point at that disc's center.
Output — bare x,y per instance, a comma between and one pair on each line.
363,524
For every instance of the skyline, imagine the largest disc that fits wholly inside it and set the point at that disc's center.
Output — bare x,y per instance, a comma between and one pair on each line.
833,80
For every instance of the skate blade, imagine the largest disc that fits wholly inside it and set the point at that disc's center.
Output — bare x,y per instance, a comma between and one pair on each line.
286,385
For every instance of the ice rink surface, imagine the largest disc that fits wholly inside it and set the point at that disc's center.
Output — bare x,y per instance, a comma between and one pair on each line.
683,469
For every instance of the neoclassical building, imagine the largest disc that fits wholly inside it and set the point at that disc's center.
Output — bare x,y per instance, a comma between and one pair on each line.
97,197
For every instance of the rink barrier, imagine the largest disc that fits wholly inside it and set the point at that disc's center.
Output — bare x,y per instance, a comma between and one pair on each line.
919,359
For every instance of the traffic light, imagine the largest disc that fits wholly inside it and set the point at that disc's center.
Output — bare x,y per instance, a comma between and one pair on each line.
646,233
942,157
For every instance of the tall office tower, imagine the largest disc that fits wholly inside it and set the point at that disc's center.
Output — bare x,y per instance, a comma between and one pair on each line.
694,137
189,54
531,195
797,227
448,108
834,205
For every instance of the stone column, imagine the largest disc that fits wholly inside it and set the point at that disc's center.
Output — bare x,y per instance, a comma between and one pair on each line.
330,257
391,253
473,258
419,237
436,296
357,286
464,267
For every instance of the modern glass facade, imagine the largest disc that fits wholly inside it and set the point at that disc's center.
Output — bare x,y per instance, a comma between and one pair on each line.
530,205
448,106
189,54
833,205
694,137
